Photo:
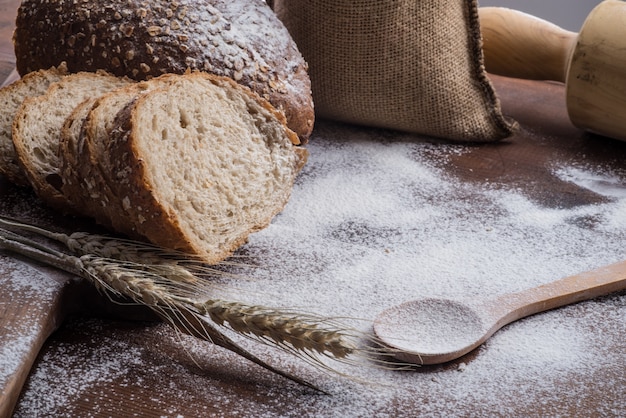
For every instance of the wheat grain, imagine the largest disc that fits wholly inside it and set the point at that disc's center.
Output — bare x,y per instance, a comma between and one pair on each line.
107,276
298,332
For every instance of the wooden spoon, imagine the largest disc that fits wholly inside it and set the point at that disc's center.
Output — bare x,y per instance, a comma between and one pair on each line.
433,331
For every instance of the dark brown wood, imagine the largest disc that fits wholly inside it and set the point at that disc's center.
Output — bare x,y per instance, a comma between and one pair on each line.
546,135
44,313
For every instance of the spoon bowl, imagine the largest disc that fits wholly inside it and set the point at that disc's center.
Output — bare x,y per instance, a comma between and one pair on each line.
429,331
433,331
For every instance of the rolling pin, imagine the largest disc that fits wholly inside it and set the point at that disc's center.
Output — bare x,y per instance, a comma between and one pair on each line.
591,63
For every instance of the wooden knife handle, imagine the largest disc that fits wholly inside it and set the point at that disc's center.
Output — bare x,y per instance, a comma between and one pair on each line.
516,44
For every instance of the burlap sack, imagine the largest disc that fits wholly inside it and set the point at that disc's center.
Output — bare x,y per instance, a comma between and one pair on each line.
411,65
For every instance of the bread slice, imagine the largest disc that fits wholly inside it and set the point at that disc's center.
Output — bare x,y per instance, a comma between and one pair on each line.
83,141
71,149
37,129
200,163
72,143
11,98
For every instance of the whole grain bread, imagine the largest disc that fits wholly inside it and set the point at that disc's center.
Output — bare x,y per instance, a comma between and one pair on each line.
240,39
37,127
199,163
11,98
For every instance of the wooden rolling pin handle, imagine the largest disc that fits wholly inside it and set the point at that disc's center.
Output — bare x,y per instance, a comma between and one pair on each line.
516,44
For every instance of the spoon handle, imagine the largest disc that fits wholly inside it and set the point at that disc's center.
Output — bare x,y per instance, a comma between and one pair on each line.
572,289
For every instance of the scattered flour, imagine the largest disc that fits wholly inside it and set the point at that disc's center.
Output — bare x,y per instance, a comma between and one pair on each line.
22,284
375,221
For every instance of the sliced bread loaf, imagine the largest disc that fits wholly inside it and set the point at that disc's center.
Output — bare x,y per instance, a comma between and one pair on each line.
11,98
199,164
37,129
240,39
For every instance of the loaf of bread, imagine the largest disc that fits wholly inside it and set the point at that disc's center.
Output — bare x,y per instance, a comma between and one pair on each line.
37,128
11,98
240,39
198,163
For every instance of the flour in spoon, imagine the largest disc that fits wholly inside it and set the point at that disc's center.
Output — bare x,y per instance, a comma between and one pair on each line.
429,327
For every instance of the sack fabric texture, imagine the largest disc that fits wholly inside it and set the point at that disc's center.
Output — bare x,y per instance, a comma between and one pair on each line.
410,65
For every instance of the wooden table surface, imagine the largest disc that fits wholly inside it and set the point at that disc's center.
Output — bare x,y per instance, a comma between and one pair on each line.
75,354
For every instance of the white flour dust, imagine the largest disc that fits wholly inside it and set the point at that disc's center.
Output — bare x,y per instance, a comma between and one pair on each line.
374,221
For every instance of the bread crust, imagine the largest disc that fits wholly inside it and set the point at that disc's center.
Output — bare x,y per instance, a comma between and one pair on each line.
140,39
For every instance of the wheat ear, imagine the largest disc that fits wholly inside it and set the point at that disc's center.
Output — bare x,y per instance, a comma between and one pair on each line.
154,258
298,331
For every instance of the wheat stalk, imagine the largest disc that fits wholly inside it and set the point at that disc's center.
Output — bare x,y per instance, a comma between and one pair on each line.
117,267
